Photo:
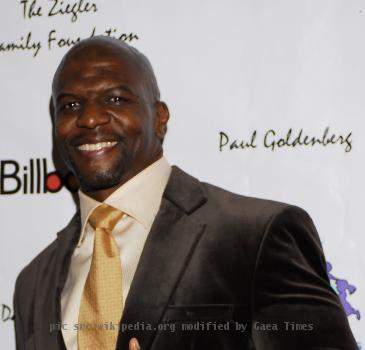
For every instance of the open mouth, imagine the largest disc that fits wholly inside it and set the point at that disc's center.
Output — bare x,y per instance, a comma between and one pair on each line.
92,147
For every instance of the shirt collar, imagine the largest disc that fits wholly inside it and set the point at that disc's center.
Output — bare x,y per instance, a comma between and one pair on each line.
139,197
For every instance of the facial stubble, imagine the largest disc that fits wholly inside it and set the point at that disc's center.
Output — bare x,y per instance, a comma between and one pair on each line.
100,178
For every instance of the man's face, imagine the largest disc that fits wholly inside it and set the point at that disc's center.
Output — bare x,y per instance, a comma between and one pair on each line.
107,125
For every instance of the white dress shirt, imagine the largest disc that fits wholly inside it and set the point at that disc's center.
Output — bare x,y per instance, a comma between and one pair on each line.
139,199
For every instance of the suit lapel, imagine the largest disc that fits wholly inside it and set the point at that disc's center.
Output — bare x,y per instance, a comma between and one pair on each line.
47,310
168,248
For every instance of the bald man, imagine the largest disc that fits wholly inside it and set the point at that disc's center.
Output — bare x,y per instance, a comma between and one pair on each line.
184,264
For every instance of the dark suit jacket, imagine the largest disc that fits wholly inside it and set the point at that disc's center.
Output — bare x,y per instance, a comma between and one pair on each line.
255,268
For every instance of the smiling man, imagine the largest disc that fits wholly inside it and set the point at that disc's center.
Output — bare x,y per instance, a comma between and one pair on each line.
109,120
152,252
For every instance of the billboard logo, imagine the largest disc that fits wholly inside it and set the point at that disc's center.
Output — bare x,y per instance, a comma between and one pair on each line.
32,178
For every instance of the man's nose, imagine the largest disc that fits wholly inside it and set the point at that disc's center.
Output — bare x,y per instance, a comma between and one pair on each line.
92,115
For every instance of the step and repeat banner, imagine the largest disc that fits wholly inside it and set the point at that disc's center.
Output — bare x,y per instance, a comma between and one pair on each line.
267,99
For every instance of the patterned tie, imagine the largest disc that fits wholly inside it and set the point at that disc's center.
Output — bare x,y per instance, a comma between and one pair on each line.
101,302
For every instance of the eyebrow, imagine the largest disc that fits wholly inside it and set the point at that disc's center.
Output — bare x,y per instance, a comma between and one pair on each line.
123,88
63,95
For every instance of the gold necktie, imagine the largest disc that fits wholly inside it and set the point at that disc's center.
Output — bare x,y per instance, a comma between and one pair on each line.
101,302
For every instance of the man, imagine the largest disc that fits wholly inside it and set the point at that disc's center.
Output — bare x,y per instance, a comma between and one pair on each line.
182,264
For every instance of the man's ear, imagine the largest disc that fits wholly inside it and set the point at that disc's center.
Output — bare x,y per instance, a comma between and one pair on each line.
162,117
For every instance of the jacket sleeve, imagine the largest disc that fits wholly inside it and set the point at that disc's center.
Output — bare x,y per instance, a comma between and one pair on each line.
18,322
294,305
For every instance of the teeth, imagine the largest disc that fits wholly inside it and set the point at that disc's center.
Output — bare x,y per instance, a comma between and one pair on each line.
96,146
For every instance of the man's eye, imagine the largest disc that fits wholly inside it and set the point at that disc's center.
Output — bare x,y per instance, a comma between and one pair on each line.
70,106
116,99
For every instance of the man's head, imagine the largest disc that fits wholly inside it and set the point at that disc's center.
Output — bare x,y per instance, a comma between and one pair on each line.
109,123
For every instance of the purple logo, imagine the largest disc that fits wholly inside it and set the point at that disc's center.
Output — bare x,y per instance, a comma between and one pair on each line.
343,289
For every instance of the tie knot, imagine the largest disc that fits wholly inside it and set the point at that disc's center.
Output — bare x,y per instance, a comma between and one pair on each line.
105,216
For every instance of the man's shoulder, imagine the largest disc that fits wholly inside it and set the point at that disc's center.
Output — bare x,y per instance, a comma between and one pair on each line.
220,206
247,220
228,203
44,259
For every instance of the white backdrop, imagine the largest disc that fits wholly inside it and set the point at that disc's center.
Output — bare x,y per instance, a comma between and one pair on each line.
251,69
